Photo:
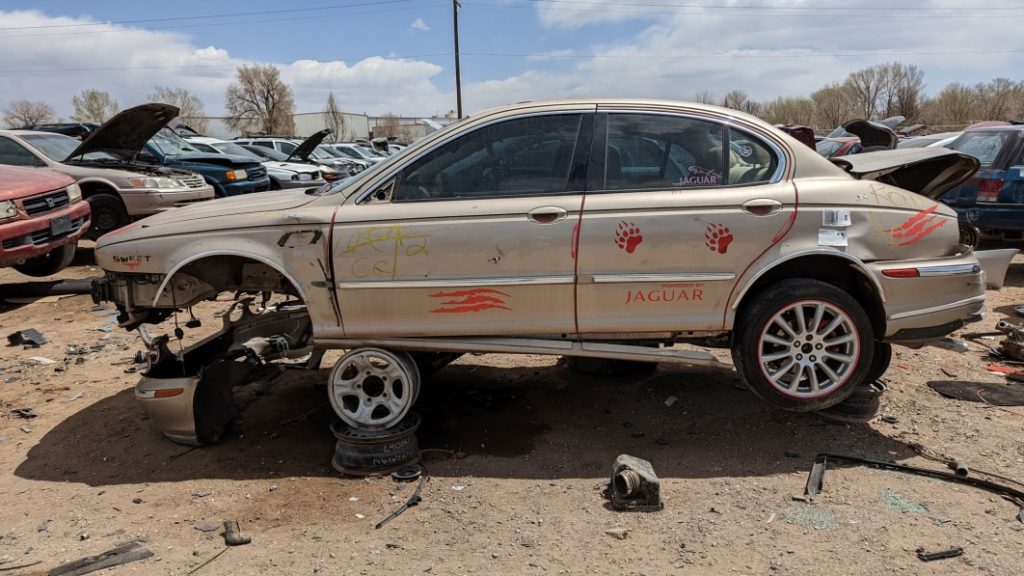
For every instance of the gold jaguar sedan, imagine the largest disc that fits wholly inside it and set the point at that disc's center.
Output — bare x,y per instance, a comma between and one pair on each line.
616,229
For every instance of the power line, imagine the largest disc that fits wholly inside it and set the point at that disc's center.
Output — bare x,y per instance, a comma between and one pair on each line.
760,7
209,25
208,16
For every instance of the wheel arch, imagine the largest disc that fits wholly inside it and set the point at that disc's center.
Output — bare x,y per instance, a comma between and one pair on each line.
835,268
94,186
235,256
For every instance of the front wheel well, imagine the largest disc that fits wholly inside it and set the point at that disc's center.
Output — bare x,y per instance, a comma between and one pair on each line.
94,188
839,272
229,273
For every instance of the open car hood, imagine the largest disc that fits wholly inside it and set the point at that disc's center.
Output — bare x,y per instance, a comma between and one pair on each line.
127,132
308,145
873,135
930,172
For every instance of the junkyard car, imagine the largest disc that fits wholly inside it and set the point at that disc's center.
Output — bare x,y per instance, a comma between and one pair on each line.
611,229
283,175
993,200
42,216
117,189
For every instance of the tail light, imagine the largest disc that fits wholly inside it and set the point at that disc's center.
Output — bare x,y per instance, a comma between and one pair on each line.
988,190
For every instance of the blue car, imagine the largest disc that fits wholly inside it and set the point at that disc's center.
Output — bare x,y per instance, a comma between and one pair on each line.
993,199
229,175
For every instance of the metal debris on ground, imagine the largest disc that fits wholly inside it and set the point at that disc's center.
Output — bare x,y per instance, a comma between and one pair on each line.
123,554
1013,345
926,556
233,534
26,413
365,452
40,360
413,500
30,338
618,533
206,526
634,485
815,479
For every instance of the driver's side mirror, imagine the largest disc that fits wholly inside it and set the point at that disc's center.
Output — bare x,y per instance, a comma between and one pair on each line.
383,193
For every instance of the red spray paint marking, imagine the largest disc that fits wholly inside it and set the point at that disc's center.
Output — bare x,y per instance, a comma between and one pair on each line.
717,238
628,236
476,300
917,227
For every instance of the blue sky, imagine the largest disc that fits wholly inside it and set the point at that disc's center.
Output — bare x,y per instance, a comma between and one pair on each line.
395,55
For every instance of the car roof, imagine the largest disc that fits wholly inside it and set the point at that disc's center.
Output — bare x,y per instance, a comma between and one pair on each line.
1008,128
203,140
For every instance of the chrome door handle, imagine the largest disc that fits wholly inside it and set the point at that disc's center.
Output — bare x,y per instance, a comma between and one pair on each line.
762,207
547,215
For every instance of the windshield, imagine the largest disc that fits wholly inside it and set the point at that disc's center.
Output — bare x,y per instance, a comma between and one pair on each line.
984,146
264,152
58,147
232,148
351,152
170,144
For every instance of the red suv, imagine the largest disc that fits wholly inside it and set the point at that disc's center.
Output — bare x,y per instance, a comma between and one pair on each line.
42,216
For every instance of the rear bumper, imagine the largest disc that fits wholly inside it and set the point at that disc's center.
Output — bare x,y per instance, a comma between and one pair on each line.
21,240
946,294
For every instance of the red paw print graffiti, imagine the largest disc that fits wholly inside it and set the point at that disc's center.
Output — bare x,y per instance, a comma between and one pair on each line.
628,236
717,238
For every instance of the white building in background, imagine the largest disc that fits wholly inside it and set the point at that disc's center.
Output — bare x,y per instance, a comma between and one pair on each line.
357,126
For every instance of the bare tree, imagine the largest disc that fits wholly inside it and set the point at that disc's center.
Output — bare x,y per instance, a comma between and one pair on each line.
955,105
738,100
704,96
260,101
789,110
191,109
997,99
906,90
28,113
93,106
389,125
866,85
833,105
334,119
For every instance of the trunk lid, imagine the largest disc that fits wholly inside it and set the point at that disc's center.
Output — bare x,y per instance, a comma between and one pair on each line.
930,172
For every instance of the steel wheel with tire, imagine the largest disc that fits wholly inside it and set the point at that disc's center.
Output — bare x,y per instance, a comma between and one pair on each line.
804,345
50,263
108,214
373,388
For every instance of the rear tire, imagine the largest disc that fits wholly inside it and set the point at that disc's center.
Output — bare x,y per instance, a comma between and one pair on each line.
108,214
803,345
50,263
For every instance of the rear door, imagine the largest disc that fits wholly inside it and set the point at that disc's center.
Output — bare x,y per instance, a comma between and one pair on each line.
676,208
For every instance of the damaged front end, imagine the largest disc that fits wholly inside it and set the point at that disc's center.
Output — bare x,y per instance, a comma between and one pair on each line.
188,395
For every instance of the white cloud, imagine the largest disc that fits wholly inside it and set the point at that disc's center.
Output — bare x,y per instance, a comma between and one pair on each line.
419,24
54,64
668,53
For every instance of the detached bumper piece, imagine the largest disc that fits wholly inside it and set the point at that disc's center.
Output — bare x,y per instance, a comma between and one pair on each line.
189,396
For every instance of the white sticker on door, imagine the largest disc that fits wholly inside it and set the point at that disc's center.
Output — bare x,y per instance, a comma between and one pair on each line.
828,237
835,218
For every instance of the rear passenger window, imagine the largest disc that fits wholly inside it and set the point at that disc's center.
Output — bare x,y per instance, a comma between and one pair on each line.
655,152
984,146
750,161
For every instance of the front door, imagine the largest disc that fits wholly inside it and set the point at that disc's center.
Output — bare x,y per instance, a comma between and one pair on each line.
472,238
676,208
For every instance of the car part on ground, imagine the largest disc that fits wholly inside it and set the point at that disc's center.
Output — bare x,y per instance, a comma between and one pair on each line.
360,452
815,479
1011,394
188,395
466,242
925,556
414,499
634,486
42,216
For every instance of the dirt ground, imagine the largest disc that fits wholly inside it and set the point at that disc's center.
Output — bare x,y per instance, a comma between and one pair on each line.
90,472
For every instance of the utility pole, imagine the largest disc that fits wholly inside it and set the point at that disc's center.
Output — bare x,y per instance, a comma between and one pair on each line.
458,72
